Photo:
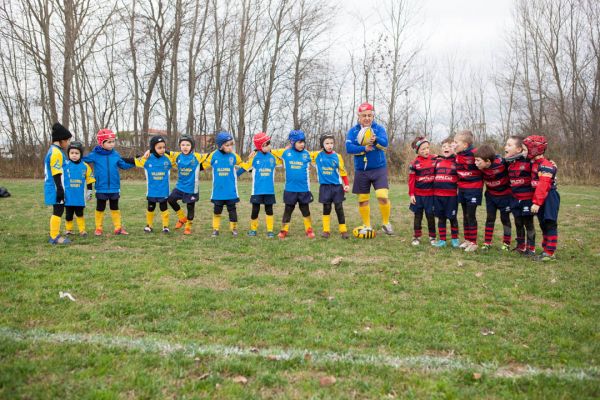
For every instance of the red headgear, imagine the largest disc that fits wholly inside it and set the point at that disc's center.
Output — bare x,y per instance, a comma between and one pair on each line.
105,134
260,139
365,107
536,145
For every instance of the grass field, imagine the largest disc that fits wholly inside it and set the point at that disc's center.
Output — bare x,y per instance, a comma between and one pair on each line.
168,316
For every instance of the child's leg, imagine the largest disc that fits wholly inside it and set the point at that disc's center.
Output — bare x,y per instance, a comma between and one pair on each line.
150,213
454,227
417,223
550,232
191,209
254,216
520,231
233,218
217,211
269,217
57,212
339,210
287,216
489,224
327,217
431,225
442,228
181,219
472,222
69,212
80,219
463,205
164,213
99,216
305,210
115,213
506,227
530,228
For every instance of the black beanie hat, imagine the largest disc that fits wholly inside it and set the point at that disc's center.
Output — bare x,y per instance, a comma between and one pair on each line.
59,132
154,141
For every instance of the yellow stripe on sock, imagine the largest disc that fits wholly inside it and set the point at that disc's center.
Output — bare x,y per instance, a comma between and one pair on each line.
386,210
164,215
253,224
80,224
326,223
269,222
216,222
343,228
54,226
307,223
69,225
116,218
99,219
365,214
150,218
180,214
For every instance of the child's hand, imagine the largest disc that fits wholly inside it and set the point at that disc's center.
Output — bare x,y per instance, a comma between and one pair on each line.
346,188
146,154
413,200
369,148
252,154
535,208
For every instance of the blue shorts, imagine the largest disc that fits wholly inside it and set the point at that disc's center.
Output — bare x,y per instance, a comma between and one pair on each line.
263,199
423,203
445,206
470,196
501,203
549,210
363,180
291,198
520,208
177,194
225,202
157,199
107,196
331,194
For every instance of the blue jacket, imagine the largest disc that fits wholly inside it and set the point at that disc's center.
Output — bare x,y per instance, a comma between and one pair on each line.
106,169
367,160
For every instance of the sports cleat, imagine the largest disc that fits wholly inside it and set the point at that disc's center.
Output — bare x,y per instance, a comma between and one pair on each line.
166,229
121,231
59,240
440,243
545,257
528,253
325,235
471,247
187,231
310,234
214,233
282,234
519,250
345,235
234,233
68,233
148,229
432,241
464,244
415,241
455,243
387,229
180,223
505,246
98,232
83,234
270,235
486,246
251,233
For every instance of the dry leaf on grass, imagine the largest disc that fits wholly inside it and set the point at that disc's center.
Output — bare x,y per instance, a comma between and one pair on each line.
307,357
240,379
459,263
479,274
487,332
272,357
203,376
327,380
336,260
253,350
476,376
394,282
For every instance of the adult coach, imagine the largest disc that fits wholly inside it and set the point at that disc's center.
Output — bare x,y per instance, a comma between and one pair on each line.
367,141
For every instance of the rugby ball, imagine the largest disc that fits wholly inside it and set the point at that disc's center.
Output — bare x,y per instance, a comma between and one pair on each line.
364,135
363,232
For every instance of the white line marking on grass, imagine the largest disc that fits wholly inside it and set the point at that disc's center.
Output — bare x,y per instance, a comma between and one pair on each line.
423,363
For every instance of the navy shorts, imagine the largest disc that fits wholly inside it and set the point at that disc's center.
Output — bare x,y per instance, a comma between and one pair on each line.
445,206
331,194
424,203
549,210
263,199
107,196
225,202
177,194
157,199
363,180
501,203
470,196
291,198
520,208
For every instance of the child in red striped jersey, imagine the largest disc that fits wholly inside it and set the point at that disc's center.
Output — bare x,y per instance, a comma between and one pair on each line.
420,189
497,194
470,186
546,200
519,174
445,184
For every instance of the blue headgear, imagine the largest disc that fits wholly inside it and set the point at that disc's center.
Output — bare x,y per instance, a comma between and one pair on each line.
222,138
296,136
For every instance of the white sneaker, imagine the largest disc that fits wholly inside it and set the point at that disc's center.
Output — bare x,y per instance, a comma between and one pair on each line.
464,244
387,229
471,247
415,241
432,241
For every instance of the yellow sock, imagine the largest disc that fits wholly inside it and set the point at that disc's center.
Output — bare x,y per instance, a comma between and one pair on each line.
253,224
307,223
232,226
270,224
365,214
80,223
188,224
54,226
285,227
116,218
69,225
149,218
99,219
386,210
164,215
181,214
343,228
326,223
216,221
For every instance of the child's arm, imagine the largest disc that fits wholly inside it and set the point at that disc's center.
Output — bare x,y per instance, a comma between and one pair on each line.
545,173
89,179
201,157
205,163
278,153
127,163
412,179
56,169
343,173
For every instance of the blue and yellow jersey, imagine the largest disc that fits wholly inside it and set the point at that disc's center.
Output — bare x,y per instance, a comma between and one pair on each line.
188,170
158,171
53,165
330,167
297,164
262,166
224,174
76,177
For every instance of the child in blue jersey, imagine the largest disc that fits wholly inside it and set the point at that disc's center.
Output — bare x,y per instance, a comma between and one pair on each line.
262,164
297,182
189,165
224,163
157,166
54,191
77,178
107,162
333,180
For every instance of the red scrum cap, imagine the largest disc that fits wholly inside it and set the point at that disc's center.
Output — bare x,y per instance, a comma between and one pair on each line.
536,145
260,139
105,134
365,107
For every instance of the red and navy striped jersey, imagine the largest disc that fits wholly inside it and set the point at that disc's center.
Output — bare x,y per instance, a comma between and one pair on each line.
469,176
519,173
446,177
496,178
542,185
421,176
